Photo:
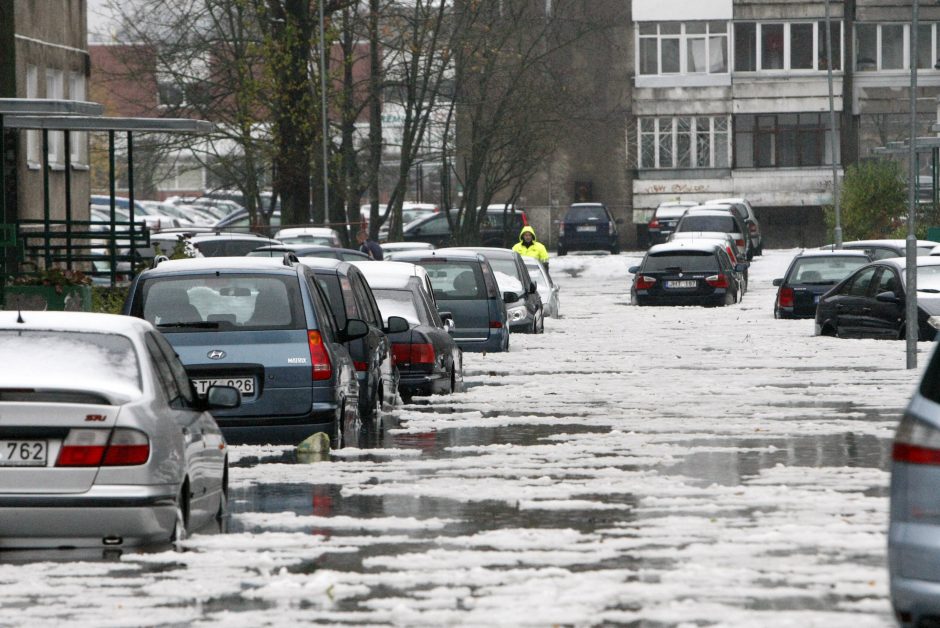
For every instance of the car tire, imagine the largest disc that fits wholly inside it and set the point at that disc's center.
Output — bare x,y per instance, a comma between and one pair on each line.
181,522
615,250
562,251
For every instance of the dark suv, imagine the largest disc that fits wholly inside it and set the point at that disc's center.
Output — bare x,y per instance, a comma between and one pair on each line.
263,326
498,227
588,227
350,296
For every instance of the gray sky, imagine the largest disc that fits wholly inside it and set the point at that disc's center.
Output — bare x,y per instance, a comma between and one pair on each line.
97,17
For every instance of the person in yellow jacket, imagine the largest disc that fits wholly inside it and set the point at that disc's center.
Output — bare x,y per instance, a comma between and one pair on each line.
531,247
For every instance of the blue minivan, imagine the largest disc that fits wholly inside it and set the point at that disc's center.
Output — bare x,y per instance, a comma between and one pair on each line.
465,290
264,327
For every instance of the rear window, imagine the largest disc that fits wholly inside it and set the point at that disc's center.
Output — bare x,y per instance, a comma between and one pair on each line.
724,224
309,240
56,359
222,302
584,214
453,280
681,261
824,270
228,248
507,275
400,303
671,212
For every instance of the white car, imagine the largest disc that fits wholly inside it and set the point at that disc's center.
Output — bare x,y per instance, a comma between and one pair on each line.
322,236
104,442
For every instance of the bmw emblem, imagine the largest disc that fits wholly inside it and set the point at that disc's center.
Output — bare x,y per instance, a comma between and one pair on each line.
216,354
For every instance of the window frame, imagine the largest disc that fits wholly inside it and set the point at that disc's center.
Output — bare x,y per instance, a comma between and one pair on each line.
684,38
757,133
818,29
906,46
714,135
55,90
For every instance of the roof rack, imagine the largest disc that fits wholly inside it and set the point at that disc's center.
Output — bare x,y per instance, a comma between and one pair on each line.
290,258
159,259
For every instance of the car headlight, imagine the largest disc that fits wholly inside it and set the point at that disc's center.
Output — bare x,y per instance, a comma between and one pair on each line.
515,314
934,321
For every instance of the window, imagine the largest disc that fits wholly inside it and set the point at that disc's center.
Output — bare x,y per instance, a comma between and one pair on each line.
78,140
684,142
33,156
887,46
858,287
55,90
785,46
683,48
788,140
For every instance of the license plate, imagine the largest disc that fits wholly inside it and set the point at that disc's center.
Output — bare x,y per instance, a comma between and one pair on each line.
816,298
682,284
587,228
23,453
245,385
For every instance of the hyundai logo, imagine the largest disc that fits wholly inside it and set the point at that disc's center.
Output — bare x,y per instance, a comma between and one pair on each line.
216,354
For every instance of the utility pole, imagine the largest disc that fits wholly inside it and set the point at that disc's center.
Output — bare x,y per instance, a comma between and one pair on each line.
833,139
911,324
323,115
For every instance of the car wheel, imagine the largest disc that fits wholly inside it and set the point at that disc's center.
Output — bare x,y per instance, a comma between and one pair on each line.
562,252
615,250
181,523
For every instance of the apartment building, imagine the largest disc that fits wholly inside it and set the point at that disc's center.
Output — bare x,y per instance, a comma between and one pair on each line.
43,54
731,98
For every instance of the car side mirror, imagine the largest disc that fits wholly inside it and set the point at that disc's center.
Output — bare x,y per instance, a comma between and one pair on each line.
448,319
396,325
778,282
888,297
533,288
741,267
510,297
633,270
354,329
223,398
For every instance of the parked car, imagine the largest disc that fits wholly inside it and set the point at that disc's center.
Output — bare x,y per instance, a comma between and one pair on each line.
547,288
588,227
428,359
390,248
884,249
810,275
228,244
103,442
686,273
263,326
464,284
325,252
725,241
525,314
914,527
665,218
239,221
494,230
410,212
750,219
869,303
322,236
154,220
700,220
350,296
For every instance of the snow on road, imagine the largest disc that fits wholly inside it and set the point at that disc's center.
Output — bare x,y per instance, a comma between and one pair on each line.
631,465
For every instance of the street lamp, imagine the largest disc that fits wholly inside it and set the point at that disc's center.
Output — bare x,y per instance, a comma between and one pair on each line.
323,116
911,323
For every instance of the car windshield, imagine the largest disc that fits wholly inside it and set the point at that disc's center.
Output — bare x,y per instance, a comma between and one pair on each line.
925,251
400,303
52,358
221,302
724,224
824,270
455,280
536,275
928,279
681,261
507,274
584,214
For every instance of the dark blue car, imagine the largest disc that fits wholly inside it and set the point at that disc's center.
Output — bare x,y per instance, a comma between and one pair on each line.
588,227
262,326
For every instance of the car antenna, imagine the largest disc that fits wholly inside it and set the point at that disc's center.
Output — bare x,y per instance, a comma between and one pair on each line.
19,316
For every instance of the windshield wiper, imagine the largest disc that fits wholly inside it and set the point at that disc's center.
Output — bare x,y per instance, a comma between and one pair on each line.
197,324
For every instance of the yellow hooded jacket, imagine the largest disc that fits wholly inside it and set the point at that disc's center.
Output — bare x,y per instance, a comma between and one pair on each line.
536,249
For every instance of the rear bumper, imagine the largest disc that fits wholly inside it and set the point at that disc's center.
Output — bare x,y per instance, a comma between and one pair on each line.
138,515
424,384
279,429
914,600
495,343
797,312
717,298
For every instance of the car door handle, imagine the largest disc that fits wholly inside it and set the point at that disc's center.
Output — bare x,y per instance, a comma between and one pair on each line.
866,310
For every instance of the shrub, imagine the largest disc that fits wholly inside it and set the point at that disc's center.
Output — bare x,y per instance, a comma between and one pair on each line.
874,201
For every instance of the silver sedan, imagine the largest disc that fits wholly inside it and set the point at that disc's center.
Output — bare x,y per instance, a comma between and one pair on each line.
103,442
547,288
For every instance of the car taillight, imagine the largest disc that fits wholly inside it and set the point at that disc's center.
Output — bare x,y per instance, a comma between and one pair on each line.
739,243
319,358
916,443
417,353
83,448
525,220
644,283
127,447
717,281
752,228
496,325
785,297
734,258
361,366
654,224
